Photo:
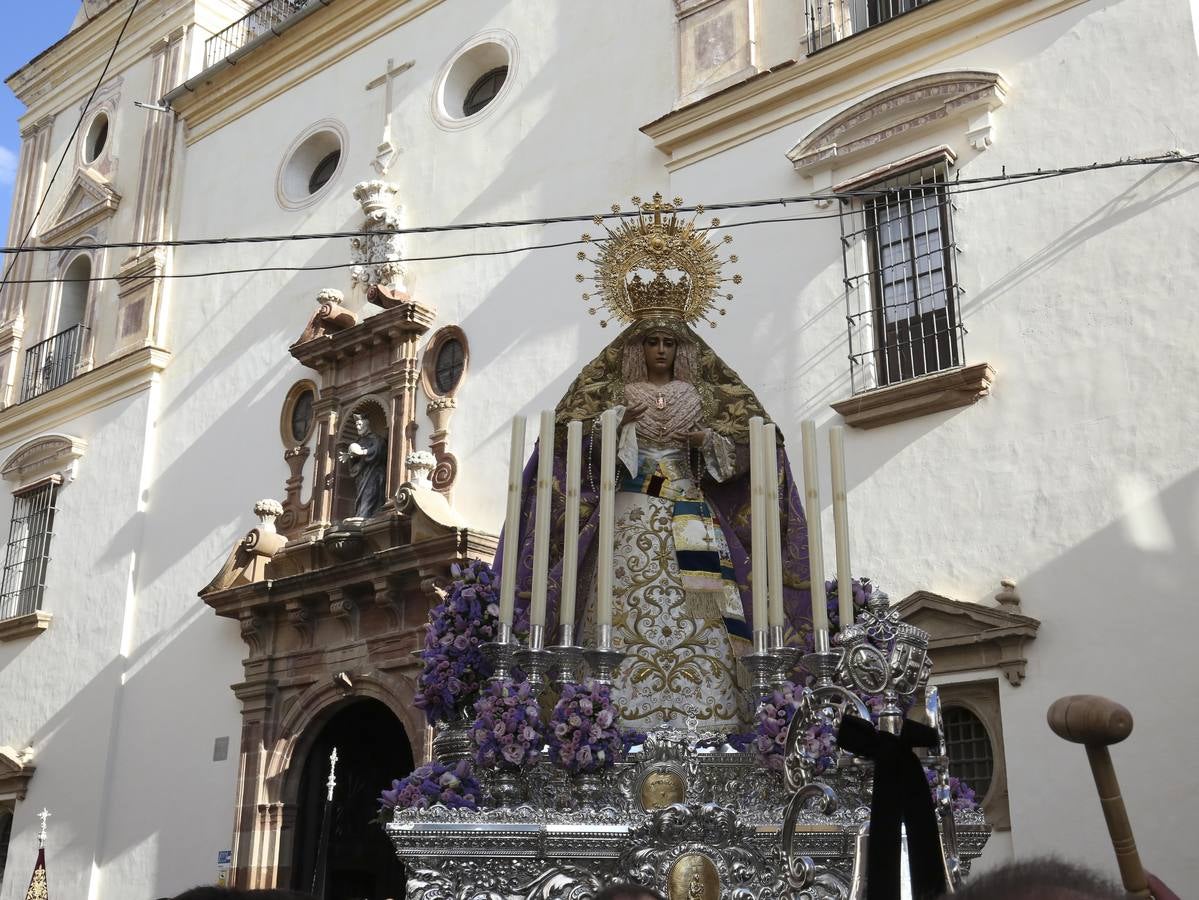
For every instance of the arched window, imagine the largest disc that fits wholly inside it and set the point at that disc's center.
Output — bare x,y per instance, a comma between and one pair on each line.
971,756
72,304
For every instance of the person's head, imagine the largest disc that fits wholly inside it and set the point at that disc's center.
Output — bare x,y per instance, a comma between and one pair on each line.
1039,879
624,890
361,423
660,348
222,893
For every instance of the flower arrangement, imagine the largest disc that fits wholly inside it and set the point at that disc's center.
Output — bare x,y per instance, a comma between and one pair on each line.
455,667
451,786
862,589
508,732
770,734
961,795
583,735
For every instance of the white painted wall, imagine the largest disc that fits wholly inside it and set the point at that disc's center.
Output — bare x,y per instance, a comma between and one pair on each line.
1075,478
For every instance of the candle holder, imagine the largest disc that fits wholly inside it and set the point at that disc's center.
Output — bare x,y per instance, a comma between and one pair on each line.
761,665
501,654
786,658
567,663
604,659
534,660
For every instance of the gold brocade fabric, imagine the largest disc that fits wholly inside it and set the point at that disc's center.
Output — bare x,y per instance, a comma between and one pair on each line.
38,889
681,660
726,403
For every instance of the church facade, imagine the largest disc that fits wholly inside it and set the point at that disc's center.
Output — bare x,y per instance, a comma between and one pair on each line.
199,601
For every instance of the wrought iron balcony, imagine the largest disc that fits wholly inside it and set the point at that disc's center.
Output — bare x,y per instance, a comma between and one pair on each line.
257,21
52,363
830,21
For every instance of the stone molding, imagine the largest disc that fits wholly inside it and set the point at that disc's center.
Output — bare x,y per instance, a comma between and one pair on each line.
87,201
796,89
224,93
970,637
14,774
30,625
103,385
917,396
905,111
49,456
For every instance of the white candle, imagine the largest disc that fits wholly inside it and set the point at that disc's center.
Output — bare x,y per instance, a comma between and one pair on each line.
570,545
541,526
774,538
607,523
811,482
757,521
836,445
516,460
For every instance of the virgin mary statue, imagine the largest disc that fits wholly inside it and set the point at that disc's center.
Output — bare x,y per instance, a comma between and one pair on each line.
682,596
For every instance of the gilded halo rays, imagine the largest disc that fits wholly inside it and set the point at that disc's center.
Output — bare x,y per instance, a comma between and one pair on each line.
680,261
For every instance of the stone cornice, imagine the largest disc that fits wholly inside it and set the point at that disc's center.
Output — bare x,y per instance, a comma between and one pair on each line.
61,76
14,774
408,318
221,95
917,396
970,637
93,390
851,68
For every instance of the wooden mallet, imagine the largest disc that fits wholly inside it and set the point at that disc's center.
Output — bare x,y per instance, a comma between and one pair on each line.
1097,723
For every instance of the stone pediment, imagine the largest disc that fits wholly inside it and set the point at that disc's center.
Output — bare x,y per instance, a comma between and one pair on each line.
965,637
14,774
51,455
89,199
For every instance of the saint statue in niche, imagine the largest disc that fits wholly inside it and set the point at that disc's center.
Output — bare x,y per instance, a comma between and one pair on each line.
682,598
366,460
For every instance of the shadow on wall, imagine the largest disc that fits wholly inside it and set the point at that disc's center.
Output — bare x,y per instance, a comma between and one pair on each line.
1118,620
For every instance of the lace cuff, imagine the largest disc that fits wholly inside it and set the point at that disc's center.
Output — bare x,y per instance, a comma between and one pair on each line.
719,456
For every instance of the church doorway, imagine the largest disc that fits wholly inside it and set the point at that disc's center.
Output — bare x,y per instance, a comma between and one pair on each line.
372,749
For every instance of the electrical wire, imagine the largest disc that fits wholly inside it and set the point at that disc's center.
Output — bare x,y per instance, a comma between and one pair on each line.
950,188
16,251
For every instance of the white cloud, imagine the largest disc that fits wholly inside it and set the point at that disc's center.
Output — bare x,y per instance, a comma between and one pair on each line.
8,166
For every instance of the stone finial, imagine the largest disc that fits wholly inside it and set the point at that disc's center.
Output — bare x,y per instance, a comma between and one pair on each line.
1007,596
421,464
329,295
267,511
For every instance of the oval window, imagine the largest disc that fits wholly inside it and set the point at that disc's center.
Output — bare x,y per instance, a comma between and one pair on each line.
301,416
324,171
451,360
96,140
484,90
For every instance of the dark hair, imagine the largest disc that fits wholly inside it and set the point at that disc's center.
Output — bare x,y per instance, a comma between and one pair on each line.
625,890
1045,878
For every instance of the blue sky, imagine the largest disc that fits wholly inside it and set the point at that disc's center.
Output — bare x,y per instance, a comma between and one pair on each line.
29,28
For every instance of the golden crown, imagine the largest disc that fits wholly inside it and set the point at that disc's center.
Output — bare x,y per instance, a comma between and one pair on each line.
633,265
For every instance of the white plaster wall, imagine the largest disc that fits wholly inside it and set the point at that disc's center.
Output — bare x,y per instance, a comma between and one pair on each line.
1074,478
58,691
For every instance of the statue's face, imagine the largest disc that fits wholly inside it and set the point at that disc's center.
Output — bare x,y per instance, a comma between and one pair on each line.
660,348
361,424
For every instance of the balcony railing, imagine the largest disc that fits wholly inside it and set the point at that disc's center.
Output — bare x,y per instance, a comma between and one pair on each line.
257,21
830,21
52,363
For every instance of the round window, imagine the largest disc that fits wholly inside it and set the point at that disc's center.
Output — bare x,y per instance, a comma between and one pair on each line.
484,90
301,416
96,139
311,164
324,171
971,757
451,360
297,418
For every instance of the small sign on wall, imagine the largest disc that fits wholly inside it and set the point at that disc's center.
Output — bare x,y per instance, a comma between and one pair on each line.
224,863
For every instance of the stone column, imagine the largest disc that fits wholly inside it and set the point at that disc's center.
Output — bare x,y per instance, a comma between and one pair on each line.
31,171
401,388
324,474
251,840
140,293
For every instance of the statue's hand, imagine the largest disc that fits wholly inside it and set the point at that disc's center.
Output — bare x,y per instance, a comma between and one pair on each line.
633,413
343,456
355,450
696,438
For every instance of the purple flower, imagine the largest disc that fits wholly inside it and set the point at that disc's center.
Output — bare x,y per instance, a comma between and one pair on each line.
430,784
508,729
584,736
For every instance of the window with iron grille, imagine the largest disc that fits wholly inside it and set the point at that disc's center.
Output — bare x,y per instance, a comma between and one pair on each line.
901,289
971,757
29,535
